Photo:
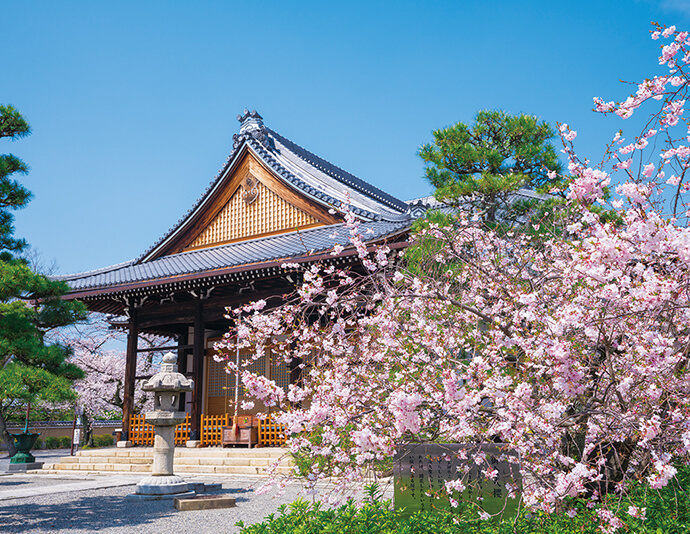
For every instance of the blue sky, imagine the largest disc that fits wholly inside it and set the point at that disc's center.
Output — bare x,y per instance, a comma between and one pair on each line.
133,103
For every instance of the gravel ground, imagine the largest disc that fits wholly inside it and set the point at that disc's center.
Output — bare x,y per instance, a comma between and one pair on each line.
110,511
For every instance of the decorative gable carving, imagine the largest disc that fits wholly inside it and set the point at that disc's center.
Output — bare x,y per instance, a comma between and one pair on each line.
253,210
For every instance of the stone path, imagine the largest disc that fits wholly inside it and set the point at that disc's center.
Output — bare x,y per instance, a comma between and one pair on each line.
17,486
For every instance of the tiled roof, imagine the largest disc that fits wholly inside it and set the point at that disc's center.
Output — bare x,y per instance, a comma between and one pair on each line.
265,249
314,177
342,176
419,206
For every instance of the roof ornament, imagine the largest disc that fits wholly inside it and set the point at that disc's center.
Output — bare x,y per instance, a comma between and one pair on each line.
250,121
418,208
252,127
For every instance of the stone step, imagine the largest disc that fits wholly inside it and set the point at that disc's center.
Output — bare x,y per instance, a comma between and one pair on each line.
180,461
208,460
128,468
213,452
229,470
273,452
112,460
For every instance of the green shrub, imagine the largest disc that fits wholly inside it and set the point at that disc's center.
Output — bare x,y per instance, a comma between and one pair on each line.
667,512
51,442
103,441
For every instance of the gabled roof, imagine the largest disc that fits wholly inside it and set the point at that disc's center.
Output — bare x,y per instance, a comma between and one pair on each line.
177,261
218,261
311,176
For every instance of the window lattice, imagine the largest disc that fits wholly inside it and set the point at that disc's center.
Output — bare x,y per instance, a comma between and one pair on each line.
220,383
257,367
280,372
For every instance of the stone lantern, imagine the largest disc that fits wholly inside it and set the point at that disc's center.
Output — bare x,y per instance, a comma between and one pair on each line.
167,385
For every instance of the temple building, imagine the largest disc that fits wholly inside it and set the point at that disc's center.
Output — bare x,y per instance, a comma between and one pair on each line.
272,202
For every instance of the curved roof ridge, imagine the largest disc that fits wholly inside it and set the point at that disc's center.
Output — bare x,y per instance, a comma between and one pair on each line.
340,174
266,156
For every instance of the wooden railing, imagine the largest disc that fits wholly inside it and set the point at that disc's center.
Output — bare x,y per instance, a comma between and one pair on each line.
270,433
212,428
182,432
141,433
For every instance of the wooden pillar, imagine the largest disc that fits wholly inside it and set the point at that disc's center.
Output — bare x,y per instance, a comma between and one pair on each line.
130,373
197,372
182,366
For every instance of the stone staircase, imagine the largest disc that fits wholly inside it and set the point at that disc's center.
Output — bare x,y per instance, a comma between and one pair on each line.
207,460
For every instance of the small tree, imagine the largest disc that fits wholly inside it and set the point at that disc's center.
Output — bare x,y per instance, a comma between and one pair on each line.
30,305
479,167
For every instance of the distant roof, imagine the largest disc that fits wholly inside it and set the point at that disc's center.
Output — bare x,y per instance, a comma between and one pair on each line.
212,261
419,206
325,183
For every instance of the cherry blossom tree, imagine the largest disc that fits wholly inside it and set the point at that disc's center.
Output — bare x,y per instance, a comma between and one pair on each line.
569,348
97,350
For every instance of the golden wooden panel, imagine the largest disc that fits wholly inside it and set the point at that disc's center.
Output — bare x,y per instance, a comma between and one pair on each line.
217,405
239,219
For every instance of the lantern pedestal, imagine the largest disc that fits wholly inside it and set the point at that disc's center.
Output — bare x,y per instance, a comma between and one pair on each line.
166,387
163,485
162,480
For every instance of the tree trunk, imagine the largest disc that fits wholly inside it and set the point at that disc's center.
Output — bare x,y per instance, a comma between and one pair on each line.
616,461
6,438
88,431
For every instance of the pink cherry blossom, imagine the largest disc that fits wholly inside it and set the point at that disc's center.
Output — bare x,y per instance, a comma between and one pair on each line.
575,337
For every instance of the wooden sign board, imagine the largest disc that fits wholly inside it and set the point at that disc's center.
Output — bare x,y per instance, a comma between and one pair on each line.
421,471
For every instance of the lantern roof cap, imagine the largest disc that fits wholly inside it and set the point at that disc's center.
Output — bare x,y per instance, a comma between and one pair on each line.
168,379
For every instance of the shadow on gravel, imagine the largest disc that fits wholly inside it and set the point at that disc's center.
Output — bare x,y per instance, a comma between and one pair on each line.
88,513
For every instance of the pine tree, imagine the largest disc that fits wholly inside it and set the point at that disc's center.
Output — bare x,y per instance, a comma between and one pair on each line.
480,166
31,368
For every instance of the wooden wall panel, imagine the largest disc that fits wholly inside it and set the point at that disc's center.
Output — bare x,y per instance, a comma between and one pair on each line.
237,220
